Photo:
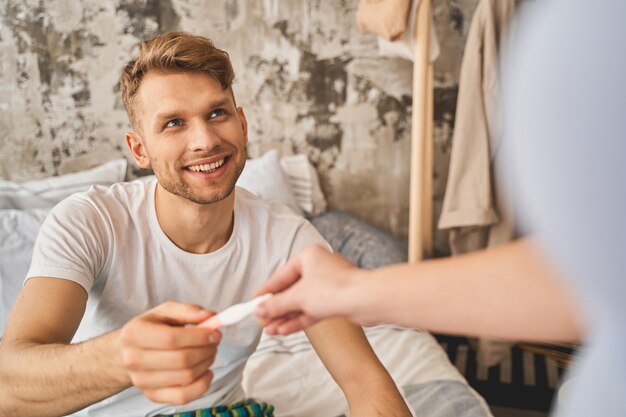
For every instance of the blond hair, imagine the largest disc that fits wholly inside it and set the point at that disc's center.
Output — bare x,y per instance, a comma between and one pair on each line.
173,52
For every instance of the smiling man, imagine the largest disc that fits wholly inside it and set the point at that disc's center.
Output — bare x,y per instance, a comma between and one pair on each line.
120,276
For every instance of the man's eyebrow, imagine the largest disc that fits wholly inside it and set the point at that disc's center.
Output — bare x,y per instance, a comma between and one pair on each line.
178,113
168,115
220,103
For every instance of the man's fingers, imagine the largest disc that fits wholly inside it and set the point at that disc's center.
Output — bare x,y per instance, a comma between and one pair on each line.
136,359
151,335
171,378
180,314
181,395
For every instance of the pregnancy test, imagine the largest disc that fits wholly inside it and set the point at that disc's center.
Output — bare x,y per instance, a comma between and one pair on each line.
234,314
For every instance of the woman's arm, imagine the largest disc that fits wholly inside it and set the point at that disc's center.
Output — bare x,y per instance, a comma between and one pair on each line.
509,292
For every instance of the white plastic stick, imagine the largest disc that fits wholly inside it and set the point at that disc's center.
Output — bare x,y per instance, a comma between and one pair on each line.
234,314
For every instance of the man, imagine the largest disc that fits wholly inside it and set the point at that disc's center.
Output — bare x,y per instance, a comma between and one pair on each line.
107,261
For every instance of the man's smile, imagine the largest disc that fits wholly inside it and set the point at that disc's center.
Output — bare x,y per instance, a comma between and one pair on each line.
207,167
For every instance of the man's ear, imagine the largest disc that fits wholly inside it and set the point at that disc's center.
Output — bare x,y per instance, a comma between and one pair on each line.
137,149
244,124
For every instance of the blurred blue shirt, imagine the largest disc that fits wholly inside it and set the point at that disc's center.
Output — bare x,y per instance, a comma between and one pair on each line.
564,127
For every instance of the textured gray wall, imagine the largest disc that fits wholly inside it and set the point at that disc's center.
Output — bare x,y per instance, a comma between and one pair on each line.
308,80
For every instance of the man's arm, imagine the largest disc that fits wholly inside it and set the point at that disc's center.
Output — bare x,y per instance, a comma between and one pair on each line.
42,374
510,292
348,356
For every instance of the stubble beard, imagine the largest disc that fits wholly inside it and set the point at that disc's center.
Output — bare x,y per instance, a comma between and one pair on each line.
181,188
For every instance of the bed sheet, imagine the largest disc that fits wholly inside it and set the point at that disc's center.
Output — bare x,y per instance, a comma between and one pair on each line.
286,371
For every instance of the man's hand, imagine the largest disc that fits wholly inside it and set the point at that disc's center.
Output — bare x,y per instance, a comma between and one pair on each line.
166,359
308,288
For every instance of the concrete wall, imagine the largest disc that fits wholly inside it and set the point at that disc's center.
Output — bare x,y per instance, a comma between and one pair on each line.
308,80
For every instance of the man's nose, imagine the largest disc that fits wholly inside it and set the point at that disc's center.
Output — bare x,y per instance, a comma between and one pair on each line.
202,136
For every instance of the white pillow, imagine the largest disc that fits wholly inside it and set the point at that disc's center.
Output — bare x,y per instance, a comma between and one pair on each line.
18,231
46,192
23,207
305,183
264,177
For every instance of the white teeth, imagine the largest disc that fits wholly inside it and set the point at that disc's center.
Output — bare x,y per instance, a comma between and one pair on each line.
207,167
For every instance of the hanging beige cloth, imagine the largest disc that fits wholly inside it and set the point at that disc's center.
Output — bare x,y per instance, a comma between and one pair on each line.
385,18
473,210
394,22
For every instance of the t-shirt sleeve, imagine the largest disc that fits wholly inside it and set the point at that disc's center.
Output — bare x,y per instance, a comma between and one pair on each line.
71,243
307,235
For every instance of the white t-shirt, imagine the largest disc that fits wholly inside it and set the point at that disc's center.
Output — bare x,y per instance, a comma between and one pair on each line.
108,240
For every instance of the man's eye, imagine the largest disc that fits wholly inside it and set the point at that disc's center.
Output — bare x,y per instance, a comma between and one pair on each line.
216,113
173,123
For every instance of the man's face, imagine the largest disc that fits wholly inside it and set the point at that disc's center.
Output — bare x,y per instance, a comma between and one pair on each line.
192,135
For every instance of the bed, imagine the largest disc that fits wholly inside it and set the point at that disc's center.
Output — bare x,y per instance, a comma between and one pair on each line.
284,370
